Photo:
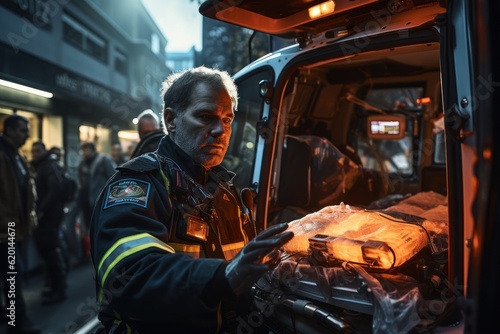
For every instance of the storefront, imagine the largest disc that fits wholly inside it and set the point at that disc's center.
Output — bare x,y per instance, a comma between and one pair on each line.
78,110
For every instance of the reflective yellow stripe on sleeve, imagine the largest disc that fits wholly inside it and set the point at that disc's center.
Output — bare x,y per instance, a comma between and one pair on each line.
125,247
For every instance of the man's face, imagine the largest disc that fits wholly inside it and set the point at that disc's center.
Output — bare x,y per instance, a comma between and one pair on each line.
116,151
147,125
19,135
203,130
58,153
37,152
87,153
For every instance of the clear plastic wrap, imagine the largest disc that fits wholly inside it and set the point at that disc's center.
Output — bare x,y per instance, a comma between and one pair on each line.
395,311
332,172
367,237
319,171
395,299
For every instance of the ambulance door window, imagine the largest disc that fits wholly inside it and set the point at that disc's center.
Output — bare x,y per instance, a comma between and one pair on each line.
240,157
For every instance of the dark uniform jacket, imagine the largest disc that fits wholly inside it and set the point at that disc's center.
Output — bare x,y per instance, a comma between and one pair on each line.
17,194
161,235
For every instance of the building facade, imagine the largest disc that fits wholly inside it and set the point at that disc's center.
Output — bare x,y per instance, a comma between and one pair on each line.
102,61
178,61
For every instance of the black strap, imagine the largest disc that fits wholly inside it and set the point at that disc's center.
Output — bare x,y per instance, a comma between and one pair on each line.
191,198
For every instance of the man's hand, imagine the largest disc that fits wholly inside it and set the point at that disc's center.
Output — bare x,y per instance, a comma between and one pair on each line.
257,257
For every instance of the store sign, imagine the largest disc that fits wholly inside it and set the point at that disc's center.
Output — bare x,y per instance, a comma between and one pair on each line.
84,88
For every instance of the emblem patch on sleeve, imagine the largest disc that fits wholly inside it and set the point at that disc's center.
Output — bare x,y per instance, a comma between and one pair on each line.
127,191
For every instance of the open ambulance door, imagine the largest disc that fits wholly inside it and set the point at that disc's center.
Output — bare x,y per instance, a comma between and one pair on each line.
471,100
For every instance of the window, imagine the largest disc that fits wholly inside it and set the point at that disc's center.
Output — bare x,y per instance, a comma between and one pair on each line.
120,62
393,156
84,39
155,43
439,156
240,155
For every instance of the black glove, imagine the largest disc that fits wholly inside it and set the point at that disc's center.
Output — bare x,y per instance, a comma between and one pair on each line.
257,257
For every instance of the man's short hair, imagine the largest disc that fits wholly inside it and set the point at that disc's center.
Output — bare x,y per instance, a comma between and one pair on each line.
88,145
13,121
53,149
178,87
149,114
39,143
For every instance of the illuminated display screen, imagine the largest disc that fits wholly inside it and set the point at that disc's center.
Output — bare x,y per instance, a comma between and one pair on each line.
385,127
391,127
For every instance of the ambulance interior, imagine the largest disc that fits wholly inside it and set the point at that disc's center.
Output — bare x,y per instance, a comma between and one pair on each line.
360,175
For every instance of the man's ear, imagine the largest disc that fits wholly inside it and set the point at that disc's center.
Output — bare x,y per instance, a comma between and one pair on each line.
169,120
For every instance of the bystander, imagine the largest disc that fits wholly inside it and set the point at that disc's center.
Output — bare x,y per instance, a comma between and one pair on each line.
50,212
117,154
93,172
17,220
58,154
150,133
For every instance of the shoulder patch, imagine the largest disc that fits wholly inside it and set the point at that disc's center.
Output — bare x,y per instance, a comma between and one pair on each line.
127,191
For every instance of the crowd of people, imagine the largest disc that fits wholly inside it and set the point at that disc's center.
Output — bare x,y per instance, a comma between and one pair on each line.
166,222
31,205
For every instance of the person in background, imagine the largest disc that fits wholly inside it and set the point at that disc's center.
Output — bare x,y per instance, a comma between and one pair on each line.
70,241
93,172
58,154
117,154
50,212
150,133
173,246
130,149
17,220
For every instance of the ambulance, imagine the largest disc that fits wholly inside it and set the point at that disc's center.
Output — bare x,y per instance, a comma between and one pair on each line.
373,135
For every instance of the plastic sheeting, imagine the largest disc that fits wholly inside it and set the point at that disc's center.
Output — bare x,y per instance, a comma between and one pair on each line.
368,237
396,297
332,172
315,172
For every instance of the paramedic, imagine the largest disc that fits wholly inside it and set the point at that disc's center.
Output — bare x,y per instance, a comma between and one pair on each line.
173,246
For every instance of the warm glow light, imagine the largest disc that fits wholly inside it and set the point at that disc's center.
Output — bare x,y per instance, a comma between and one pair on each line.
367,237
128,135
424,100
322,9
26,89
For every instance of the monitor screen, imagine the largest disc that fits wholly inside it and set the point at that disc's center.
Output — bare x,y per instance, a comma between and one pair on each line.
386,126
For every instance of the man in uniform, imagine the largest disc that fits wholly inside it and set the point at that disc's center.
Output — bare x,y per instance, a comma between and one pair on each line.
172,245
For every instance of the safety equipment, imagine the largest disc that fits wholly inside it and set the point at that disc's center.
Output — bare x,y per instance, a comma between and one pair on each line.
257,257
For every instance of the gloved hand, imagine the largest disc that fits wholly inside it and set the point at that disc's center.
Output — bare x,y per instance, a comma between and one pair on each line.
257,257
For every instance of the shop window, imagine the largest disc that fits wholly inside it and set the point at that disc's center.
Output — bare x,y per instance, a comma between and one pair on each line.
81,37
99,135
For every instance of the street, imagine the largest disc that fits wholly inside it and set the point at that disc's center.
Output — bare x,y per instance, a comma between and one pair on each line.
69,316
